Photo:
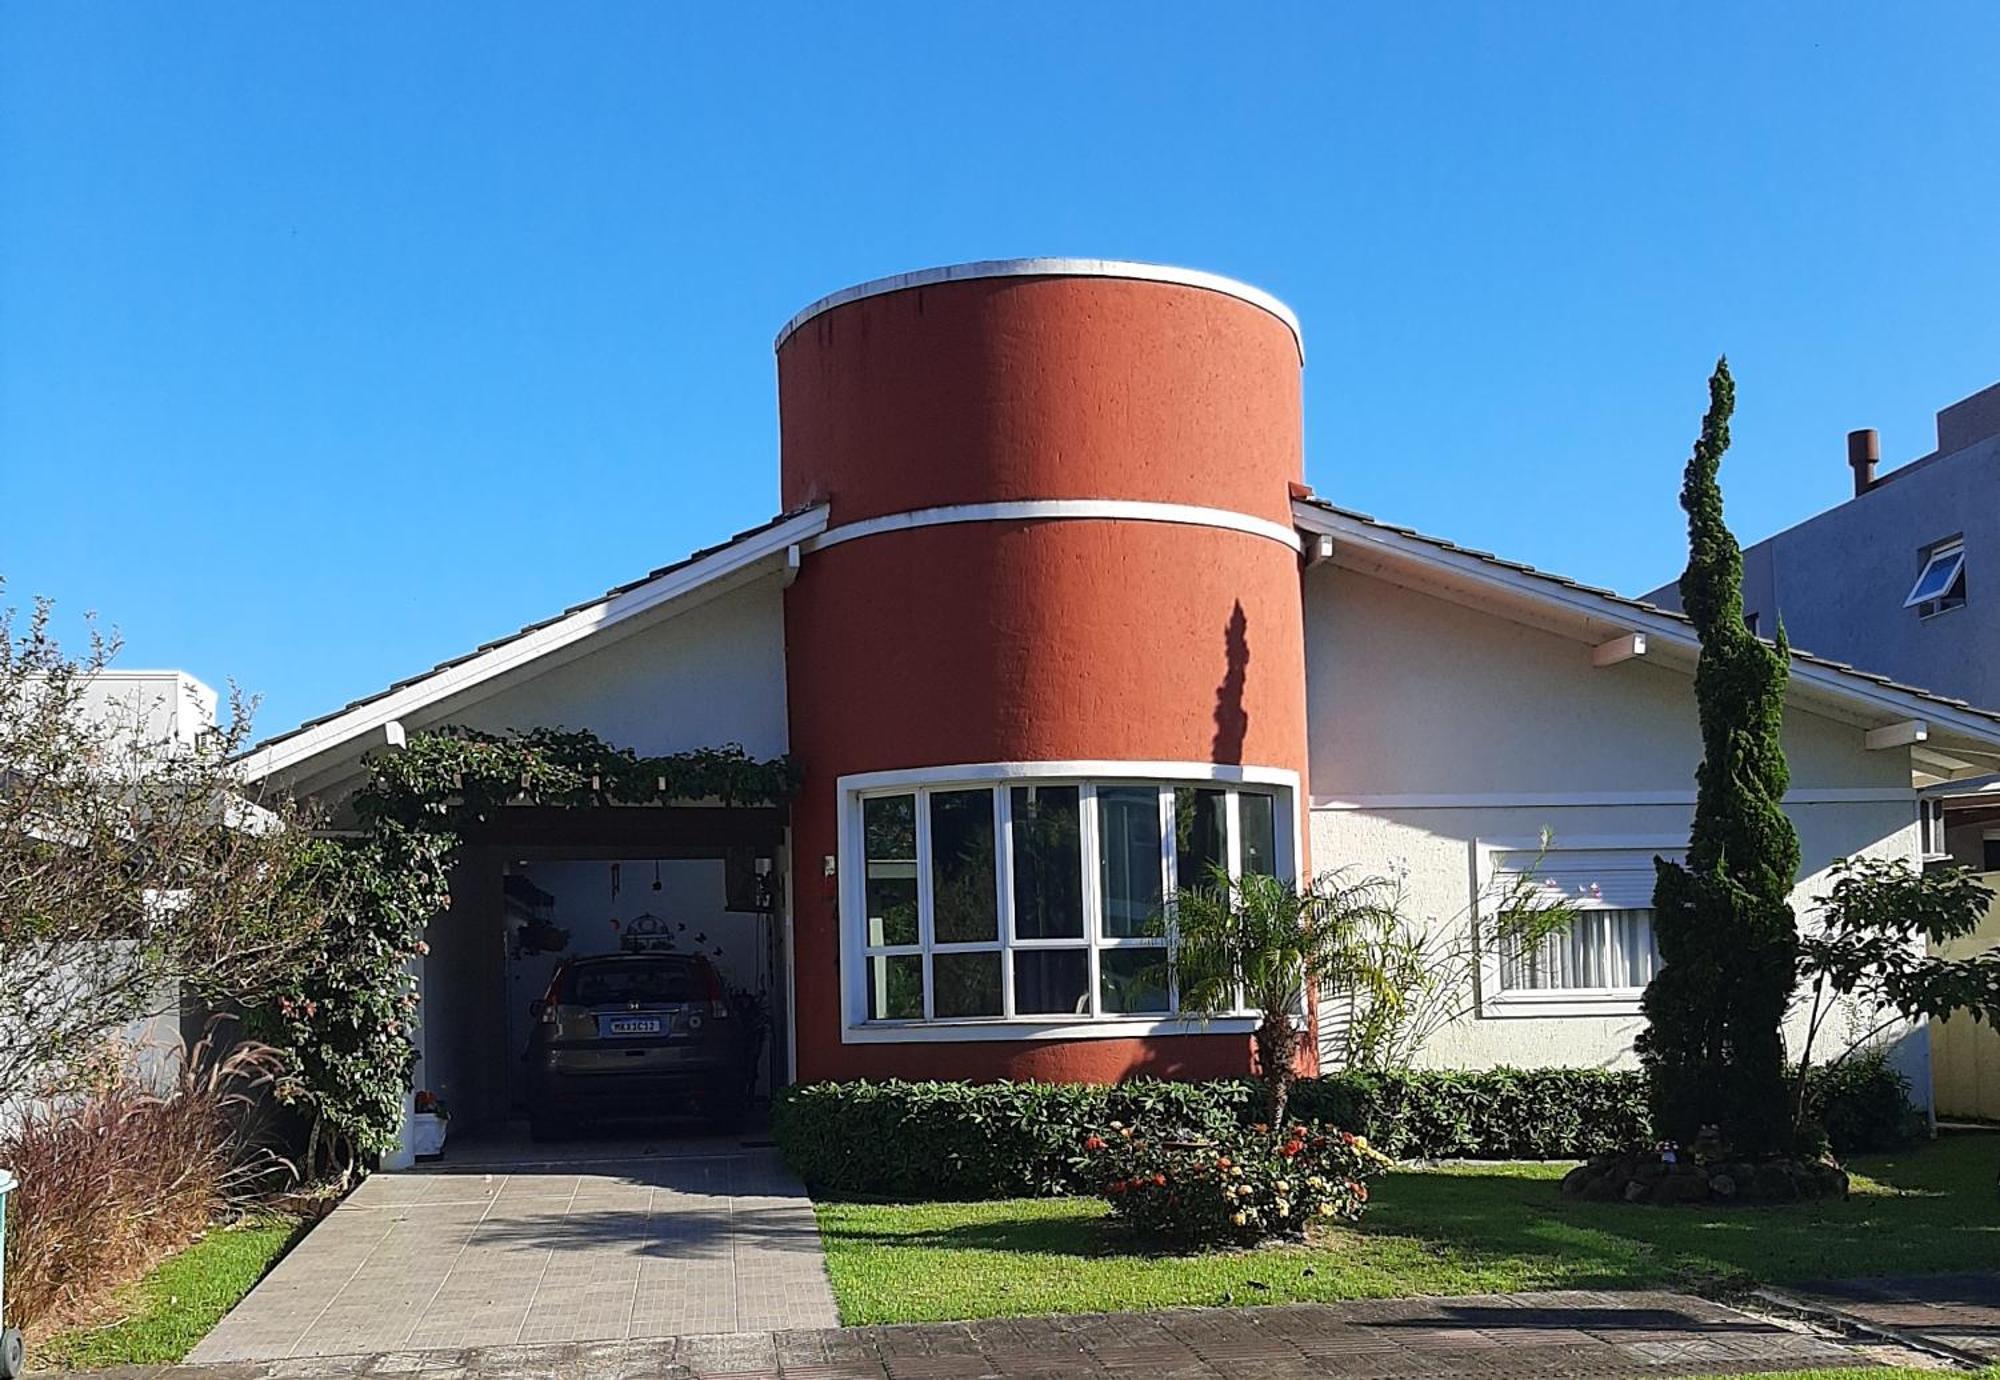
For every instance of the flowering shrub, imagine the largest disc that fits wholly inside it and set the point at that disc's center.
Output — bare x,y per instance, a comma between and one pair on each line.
1235,1189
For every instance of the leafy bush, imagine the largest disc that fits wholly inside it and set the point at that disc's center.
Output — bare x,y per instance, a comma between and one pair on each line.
1498,1114
119,1174
944,1141
975,1140
1863,1104
1235,1188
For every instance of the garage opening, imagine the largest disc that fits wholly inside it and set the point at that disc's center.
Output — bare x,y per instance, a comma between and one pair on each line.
607,972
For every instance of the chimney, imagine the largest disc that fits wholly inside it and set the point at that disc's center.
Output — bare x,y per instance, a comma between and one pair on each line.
1864,450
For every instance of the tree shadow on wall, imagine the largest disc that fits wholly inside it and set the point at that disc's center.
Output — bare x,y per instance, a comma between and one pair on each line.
1232,721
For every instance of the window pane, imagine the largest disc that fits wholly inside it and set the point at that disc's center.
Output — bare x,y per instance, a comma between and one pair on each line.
967,984
1048,863
889,826
1201,836
1938,576
1132,980
896,988
1608,948
1051,982
1258,815
1128,824
963,905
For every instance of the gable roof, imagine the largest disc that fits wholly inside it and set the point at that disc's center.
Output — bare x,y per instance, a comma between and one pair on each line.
650,593
1373,546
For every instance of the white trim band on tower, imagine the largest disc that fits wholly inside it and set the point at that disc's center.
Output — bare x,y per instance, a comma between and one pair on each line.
1053,268
1058,510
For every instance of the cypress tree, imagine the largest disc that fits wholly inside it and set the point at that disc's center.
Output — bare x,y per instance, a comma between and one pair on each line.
1728,941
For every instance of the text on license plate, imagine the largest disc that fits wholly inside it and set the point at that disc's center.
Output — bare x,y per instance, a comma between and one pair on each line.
635,1025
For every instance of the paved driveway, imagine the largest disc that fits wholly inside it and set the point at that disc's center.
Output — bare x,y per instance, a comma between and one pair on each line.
707,1239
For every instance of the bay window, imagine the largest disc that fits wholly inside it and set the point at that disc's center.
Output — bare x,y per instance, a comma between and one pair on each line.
1013,900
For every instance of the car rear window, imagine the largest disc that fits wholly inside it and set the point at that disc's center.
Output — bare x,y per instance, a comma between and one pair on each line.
630,980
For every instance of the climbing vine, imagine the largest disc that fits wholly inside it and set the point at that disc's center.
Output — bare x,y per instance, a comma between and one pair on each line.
347,1018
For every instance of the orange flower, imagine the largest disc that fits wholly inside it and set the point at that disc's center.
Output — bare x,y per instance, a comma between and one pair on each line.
1093,1142
1291,1148
1159,1181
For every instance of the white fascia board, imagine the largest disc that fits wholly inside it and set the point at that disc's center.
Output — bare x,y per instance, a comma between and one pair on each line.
1861,697
376,715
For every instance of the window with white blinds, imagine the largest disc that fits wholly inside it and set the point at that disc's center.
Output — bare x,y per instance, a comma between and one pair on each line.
1608,950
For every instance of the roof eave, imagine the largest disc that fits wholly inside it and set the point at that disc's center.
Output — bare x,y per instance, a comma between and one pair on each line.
1871,702
289,753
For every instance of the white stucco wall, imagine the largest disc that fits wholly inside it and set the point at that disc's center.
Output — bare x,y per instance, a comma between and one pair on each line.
714,674
1434,727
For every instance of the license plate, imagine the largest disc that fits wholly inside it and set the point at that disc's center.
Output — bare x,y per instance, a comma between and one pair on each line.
635,1025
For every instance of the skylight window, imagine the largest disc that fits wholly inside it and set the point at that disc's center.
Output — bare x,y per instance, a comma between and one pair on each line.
1941,583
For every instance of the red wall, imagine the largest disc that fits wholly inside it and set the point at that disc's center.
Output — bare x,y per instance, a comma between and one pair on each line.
1035,640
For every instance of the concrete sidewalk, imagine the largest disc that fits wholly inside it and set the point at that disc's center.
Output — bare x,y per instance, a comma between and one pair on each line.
1955,1315
1519,1336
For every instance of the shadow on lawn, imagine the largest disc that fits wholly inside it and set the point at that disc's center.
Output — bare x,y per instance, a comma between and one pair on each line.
1932,1209
1929,1209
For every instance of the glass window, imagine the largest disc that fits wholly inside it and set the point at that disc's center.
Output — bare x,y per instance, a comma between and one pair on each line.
1941,583
1048,863
896,987
964,903
890,825
968,984
1052,982
1601,950
980,902
1133,980
1259,818
1128,853
1201,835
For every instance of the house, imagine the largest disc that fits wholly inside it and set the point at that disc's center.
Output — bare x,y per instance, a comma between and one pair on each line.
1050,620
1890,580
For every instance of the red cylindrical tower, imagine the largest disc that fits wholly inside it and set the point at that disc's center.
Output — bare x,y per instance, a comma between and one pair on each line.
1059,533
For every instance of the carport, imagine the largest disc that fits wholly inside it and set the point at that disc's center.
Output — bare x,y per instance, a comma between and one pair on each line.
534,886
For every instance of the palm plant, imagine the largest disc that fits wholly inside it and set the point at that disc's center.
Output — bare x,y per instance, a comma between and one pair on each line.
1263,943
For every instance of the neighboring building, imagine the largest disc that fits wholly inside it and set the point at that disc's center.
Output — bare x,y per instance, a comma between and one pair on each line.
1903,579
1049,621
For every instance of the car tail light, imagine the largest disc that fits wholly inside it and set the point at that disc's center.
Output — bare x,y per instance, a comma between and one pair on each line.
717,1006
553,997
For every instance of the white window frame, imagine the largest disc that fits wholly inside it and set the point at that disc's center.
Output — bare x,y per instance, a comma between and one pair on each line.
1498,1002
1930,827
998,777
1949,553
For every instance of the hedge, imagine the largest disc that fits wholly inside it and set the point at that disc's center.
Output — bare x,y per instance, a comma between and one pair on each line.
945,1141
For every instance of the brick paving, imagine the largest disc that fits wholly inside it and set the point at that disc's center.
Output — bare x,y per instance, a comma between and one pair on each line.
1569,1335
1954,1313
436,1261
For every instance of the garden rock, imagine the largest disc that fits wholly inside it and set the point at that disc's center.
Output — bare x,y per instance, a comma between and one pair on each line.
1645,1177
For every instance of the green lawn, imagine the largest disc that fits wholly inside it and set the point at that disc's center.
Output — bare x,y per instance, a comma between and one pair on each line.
172,1308
1462,1230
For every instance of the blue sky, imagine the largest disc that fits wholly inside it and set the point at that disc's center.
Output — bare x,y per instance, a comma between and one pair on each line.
335,340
